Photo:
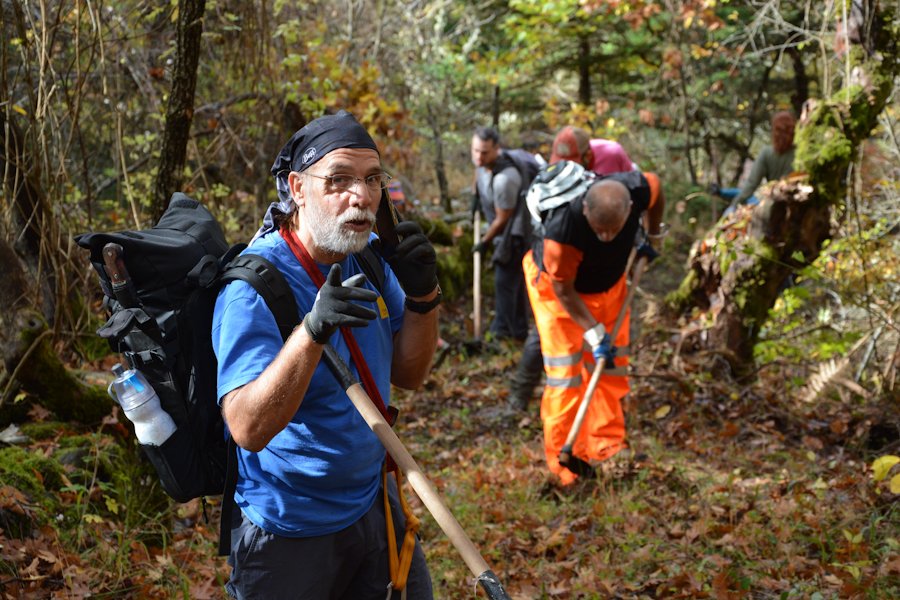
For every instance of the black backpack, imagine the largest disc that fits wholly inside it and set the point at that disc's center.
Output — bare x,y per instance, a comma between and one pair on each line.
161,321
527,166
524,161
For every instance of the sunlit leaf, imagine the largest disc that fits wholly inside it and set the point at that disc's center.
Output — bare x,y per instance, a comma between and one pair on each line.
112,505
883,464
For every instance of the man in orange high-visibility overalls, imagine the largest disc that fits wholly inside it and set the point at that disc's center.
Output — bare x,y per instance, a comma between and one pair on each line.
602,157
576,281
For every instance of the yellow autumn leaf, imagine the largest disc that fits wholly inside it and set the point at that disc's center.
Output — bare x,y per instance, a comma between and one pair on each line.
662,411
20,110
895,484
882,465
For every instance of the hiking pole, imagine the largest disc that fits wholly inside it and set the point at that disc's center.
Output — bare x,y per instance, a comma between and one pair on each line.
419,482
566,458
476,283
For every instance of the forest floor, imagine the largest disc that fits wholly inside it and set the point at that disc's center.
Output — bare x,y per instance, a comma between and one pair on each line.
730,489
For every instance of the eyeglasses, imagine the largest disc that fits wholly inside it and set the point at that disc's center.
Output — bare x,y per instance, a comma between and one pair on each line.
343,182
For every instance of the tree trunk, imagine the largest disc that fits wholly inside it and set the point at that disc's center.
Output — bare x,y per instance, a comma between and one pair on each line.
801,80
688,121
32,224
440,169
495,108
32,296
180,109
584,71
737,271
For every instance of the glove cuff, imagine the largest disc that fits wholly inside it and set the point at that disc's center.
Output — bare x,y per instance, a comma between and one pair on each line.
315,336
425,307
594,335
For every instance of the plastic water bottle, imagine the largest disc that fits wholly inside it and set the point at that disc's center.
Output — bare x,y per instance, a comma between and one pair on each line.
152,425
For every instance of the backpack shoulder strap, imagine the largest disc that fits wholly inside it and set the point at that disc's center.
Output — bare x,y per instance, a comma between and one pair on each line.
371,266
270,283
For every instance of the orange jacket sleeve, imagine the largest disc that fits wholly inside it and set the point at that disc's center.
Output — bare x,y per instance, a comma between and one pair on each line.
653,180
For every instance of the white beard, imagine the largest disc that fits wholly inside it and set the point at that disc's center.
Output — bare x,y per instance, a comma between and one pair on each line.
329,232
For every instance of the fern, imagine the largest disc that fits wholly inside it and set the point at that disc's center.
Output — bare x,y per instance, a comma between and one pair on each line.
827,373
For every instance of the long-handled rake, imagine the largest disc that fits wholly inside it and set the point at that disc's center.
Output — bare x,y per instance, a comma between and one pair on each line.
417,479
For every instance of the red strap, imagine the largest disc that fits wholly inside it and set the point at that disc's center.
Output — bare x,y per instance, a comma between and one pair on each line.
315,274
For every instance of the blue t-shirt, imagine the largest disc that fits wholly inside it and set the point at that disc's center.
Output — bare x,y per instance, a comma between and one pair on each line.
320,474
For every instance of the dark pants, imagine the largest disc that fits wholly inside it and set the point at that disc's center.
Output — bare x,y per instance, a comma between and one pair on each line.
528,372
511,308
351,564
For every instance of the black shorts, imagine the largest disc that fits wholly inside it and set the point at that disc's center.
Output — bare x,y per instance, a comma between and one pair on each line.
351,564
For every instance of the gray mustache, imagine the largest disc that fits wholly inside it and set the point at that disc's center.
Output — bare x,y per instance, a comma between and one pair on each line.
358,215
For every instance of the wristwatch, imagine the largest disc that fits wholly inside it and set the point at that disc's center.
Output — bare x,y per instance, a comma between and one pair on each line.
427,306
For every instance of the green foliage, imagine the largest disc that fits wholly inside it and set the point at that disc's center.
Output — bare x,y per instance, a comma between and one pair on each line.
823,145
817,319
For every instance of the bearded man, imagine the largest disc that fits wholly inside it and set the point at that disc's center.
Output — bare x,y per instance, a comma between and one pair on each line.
311,486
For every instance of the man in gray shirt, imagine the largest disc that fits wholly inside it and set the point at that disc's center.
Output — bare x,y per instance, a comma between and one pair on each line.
498,185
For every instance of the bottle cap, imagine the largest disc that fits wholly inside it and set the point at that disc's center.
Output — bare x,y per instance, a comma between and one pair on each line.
118,369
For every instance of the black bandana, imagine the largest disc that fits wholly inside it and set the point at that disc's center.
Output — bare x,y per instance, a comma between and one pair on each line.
319,137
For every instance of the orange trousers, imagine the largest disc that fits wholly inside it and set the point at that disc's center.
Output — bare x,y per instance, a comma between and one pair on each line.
568,363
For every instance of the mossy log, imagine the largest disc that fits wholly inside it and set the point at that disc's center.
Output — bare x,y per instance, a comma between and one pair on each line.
30,364
735,274
38,371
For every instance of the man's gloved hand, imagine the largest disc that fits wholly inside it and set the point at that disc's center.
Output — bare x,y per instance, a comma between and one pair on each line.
414,261
606,351
478,248
334,306
647,250
601,345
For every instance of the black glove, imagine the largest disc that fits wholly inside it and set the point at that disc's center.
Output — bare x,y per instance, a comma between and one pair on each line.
334,308
479,248
414,261
647,250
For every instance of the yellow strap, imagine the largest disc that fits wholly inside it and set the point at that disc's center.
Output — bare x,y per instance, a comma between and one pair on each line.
399,565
